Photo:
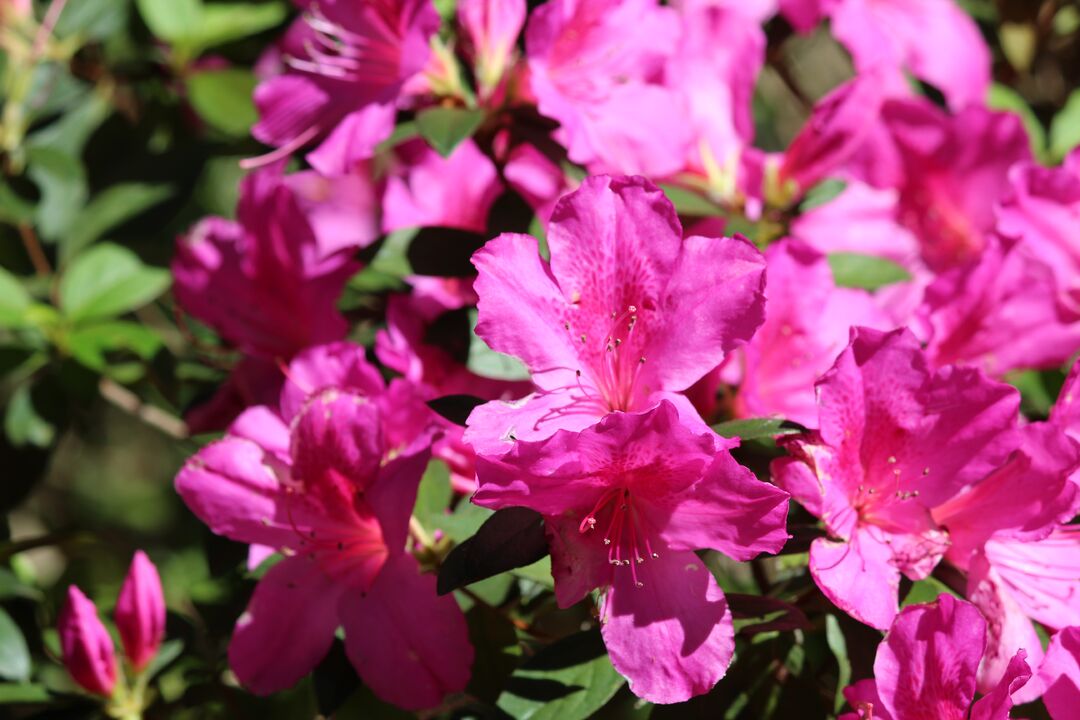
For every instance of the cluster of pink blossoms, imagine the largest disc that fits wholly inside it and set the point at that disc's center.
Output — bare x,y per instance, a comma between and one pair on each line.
637,335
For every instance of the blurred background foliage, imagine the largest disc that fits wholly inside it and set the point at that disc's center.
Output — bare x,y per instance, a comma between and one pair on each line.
118,131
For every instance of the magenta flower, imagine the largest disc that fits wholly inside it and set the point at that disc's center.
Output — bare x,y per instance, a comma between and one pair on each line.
626,502
428,189
925,668
1066,411
934,39
950,170
492,28
330,497
87,649
266,283
596,66
895,440
1002,312
347,63
628,312
1059,675
807,323
715,67
1005,533
1043,208
140,612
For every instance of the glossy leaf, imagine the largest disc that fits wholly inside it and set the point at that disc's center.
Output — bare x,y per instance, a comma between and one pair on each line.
511,538
757,428
14,655
108,280
853,270
223,99
445,128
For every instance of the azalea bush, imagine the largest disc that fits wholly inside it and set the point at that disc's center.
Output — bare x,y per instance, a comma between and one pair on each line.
579,358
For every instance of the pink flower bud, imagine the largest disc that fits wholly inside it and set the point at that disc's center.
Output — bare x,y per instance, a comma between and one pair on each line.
492,27
140,611
87,647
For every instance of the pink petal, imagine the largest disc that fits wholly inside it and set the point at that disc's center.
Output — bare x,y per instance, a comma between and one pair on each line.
409,645
863,695
1042,575
140,611
673,637
353,139
1060,674
337,447
999,702
858,577
288,626
336,365
926,666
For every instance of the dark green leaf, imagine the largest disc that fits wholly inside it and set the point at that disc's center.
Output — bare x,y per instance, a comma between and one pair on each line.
568,680
93,19
774,614
926,590
444,251
110,208
62,181
757,428
455,408
14,655
93,344
335,680
13,587
22,423
169,651
14,300
223,99
688,202
445,128
511,538
108,280
853,270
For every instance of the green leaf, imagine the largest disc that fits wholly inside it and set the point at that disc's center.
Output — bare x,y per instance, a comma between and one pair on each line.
93,19
14,300
568,680
22,424
490,363
1002,97
834,636
926,590
853,270
14,655
1065,128
13,208
109,208
169,651
755,428
539,572
172,20
405,131
688,202
445,128
62,181
91,344
108,280
12,587
434,494
824,192
23,694
223,99
226,22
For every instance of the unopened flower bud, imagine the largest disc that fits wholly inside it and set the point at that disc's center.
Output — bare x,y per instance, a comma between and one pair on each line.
140,611
88,650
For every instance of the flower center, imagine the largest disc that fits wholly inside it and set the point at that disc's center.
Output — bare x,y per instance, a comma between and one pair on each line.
335,52
626,537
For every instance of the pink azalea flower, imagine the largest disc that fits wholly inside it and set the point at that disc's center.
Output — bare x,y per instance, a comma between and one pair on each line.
596,67
1059,674
492,28
628,312
427,189
934,39
715,66
895,440
1043,208
537,178
347,65
626,502
950,170
925,668
330,496
1066,411
1003,312
88,652
838,127
1003,533
140,612
266,283
807,323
